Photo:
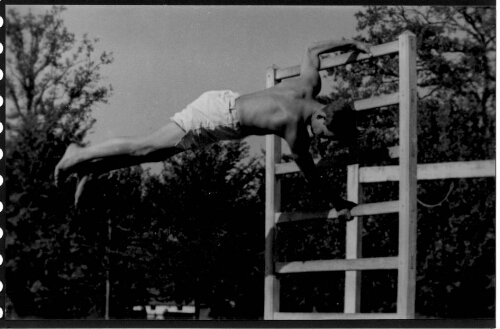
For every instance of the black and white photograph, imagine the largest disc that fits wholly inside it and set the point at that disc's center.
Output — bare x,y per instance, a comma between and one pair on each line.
233,163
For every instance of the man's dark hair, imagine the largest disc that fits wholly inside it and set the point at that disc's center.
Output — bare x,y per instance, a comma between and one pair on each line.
341,120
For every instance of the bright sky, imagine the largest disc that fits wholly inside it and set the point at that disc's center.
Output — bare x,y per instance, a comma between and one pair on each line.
166,56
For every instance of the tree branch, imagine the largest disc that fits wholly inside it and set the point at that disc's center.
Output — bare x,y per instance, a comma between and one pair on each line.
54,81
435,89
472,23
12,72
11,91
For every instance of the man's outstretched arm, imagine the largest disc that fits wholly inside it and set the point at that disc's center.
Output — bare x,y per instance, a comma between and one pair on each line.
311,63
303,159
305,163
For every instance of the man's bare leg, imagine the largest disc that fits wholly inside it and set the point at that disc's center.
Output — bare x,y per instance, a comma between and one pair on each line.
119,153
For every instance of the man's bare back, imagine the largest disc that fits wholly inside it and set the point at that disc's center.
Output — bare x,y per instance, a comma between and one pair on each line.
286,109
277,109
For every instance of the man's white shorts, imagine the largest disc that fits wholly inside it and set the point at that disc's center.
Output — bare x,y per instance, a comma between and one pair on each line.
209,119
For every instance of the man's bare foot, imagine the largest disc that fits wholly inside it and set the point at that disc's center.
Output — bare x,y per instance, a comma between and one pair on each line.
63,168
79,188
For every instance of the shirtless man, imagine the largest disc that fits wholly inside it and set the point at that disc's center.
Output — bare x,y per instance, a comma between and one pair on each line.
286,110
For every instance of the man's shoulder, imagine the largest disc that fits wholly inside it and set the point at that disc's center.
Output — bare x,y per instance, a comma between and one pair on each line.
300,88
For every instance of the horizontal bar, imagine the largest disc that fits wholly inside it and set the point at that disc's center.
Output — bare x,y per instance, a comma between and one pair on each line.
360,210
334,316
379,263
291,167
343,59
428,171
375,102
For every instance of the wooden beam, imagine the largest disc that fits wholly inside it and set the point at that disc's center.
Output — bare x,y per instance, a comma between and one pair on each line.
429,171
360,210
408,175
354,230
379,263
375,102
343,59
334,316
273,189
291,167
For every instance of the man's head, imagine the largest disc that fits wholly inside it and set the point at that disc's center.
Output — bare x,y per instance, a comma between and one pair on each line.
335,121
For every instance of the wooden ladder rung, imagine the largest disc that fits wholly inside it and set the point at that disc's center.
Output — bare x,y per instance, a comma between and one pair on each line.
334,316
375,102
291,167
377,263
429,171
360,210
343,59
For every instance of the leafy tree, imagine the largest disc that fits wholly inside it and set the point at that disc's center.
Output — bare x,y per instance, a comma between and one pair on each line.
192,233
110,224
456,75
208,230
52,84
456,113
163,238
456,79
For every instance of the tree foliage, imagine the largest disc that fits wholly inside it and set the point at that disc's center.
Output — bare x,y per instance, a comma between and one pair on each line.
456,122
208,208
52,84
195,231
191,233
456,113
456,76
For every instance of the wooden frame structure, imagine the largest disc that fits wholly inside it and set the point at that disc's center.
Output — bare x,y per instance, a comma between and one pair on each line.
406,173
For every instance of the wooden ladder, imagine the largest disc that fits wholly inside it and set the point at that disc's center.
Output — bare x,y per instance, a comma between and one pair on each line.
406,206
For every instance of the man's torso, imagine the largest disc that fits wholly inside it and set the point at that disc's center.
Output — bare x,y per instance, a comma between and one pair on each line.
276,110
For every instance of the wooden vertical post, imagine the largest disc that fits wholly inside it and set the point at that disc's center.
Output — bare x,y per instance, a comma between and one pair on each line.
352,291
408,175
273,156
